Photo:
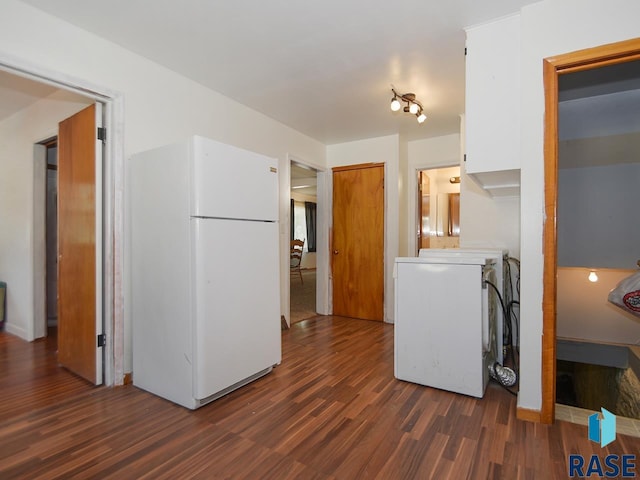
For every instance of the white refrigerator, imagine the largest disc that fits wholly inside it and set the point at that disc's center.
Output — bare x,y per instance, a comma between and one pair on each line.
204,267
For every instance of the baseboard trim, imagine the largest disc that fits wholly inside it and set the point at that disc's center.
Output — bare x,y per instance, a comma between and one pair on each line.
528,415
128,379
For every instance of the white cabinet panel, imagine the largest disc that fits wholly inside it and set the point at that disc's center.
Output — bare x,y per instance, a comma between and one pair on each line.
493,105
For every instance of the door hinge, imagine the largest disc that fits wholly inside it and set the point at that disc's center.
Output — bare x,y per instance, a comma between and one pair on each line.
102,340
102,134
465,157
465,51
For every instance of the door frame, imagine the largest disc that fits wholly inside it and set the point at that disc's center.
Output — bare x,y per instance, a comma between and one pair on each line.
113,202
553,67
322,237
385,231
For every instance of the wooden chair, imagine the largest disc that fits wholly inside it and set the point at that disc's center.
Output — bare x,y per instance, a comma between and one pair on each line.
296,257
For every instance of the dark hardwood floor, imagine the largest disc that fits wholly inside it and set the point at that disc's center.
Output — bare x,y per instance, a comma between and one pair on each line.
331,410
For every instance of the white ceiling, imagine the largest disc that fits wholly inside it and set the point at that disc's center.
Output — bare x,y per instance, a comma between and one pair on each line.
324,68
599,116
304,180
17,93
600,102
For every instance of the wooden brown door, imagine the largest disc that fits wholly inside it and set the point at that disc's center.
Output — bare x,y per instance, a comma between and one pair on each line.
79,233
358,241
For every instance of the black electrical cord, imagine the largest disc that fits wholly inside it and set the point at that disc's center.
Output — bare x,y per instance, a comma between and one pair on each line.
508,296
506,323
505,314
517,264
516,321
515,344
508,284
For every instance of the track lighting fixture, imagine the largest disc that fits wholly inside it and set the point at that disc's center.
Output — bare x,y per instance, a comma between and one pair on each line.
411,106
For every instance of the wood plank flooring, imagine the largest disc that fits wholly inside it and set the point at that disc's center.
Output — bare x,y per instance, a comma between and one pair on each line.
332,410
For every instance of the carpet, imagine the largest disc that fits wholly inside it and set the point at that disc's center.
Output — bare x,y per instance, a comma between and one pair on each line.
303,296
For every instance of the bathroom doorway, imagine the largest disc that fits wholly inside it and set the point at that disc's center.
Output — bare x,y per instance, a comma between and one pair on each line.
303,215
438,216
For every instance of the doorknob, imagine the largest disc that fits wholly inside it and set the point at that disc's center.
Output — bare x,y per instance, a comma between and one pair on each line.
335,252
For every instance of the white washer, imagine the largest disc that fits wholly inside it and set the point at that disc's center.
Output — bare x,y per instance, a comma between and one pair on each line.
442,322
501,257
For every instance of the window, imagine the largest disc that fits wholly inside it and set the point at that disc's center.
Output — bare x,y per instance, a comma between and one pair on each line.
303,223
299,231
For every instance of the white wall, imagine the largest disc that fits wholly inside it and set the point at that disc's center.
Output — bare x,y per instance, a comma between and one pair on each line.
485,221
550,28
584,313
19,241
597,218
160,106
378,150
404,193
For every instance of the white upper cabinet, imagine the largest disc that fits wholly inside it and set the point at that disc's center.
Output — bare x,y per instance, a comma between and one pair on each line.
493,105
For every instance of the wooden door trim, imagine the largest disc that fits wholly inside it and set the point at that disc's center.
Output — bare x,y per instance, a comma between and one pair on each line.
344,168
580,60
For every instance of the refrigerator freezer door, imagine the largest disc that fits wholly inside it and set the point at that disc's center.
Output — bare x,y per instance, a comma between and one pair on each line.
229,182
237,300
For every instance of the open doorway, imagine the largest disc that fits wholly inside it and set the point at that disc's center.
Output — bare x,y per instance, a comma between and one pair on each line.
303,215
554,68
438,216
57,96
51,235
598,242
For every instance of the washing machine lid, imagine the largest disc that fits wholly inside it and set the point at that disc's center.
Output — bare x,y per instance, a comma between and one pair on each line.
455,252
450,260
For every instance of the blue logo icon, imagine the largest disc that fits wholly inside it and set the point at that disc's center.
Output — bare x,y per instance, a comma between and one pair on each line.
602,431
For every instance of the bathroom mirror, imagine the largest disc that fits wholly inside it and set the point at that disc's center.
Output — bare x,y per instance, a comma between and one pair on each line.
448,214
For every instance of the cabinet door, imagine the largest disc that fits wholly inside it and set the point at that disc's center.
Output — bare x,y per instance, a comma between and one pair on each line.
493,96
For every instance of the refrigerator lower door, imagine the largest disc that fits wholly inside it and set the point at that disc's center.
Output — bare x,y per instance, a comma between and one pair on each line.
237,299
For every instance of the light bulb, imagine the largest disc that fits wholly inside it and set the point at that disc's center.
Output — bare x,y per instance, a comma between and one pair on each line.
413,108
421,118
395,104
593,276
